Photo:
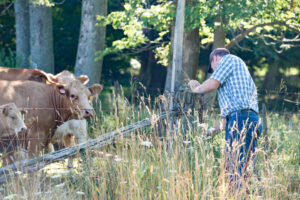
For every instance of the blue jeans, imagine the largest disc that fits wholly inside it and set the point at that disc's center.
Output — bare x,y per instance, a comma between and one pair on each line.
242,131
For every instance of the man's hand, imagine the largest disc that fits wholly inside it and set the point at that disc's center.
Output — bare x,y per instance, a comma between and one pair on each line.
207,86
193,85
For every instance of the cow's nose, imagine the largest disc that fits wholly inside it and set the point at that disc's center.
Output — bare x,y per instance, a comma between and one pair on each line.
23,129
88,113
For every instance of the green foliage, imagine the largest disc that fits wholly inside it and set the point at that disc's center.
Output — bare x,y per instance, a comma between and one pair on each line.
133,20
66,26
8,58
47,3
234,17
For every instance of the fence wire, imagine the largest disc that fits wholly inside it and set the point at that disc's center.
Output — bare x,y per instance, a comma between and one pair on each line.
35,164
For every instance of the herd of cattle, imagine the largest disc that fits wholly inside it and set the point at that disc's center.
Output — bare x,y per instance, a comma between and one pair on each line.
38,109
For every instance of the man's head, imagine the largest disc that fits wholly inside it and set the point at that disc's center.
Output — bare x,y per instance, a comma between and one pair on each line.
215,57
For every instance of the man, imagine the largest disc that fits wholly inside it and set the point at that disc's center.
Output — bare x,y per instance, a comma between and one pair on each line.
237,98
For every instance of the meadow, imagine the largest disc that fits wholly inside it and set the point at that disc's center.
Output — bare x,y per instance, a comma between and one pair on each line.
152,164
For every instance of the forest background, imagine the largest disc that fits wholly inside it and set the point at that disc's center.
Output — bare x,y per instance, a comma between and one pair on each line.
130,41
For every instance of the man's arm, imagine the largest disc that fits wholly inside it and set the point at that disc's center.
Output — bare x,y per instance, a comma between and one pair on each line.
207,86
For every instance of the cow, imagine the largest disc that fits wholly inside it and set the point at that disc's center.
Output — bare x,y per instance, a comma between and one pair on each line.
77,91
67,132
67,77
12,74
11,121
12,130
48,105
74,88
69,129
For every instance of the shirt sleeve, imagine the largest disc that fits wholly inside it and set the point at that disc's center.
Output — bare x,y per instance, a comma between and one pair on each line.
224,69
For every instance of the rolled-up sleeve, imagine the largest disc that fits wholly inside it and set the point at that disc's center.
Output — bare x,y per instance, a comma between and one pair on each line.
224,69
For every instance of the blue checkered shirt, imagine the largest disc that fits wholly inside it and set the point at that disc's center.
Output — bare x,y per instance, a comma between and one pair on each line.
237,89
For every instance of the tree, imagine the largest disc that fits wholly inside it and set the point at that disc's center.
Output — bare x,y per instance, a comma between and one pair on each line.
91,40
41,37
220,24
145,31
22,32
191,46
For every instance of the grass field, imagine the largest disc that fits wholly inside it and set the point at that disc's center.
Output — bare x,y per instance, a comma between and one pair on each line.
152,165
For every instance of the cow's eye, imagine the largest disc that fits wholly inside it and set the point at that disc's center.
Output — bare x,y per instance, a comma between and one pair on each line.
73,96
13,118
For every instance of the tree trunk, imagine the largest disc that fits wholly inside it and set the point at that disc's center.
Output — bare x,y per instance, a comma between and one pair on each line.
158,77
191,46
22,32
91,40
219,42
271,80
219,37
146,64
41,38
152,75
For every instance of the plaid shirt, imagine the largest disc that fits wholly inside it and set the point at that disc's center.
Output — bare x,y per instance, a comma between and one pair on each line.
237,89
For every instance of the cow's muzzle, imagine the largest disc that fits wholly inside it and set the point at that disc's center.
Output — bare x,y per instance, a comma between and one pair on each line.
89,113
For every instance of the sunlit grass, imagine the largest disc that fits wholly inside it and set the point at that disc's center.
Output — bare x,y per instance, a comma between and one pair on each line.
152,165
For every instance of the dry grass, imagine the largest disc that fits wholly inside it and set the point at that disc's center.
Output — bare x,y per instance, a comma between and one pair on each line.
153,165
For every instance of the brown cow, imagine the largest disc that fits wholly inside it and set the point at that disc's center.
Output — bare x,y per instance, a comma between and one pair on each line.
67,77
48,105
76,86
12,74
77,92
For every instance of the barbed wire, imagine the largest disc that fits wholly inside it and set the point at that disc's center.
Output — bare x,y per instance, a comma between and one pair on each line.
259,90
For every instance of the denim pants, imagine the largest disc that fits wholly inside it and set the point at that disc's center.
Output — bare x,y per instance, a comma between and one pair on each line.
242,131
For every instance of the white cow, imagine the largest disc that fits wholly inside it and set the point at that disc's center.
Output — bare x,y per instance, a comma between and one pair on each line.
67,133
12,133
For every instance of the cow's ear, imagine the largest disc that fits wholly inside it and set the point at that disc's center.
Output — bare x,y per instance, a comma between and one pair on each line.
51,78
39,76
83,79
95,89
5,110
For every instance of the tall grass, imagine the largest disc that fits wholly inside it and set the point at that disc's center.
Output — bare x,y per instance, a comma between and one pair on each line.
153,165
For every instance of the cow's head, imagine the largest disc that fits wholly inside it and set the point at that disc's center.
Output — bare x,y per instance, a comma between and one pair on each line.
11,120
78,92
82,96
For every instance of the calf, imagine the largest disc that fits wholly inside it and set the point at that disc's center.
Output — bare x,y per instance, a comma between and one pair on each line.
67,132
12,131
46,105
11,122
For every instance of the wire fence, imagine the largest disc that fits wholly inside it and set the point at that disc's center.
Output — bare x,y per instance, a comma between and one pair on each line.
34,164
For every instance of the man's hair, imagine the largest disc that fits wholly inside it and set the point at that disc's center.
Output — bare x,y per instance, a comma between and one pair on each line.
218,52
